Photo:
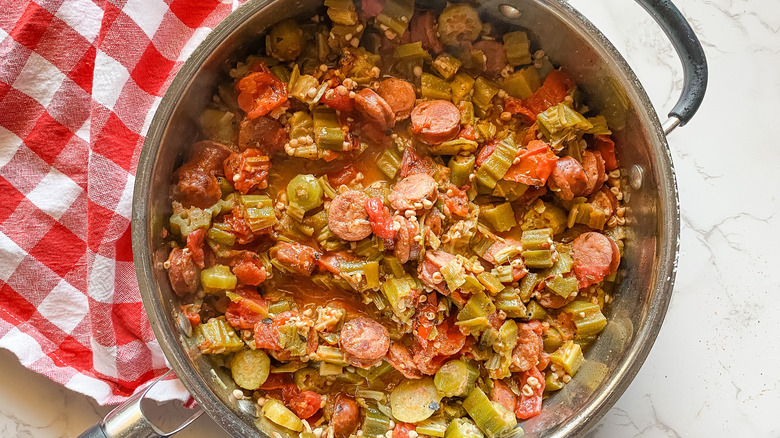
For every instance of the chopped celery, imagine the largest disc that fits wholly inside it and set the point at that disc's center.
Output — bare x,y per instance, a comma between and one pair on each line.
453,274
393,266
510,190
375,423
528,285
588,214
560,122
328,191
497,164
446,65
415,400
456,378
491,417
564,263
569,357
217,337
221,236
509,302
537,259
484,92
463,428
331,369
434,88
552,339
375,372
434,426
563,286
517,47
500,217
472,285
461,86
491,282
398,292
541,238
395,17
250,368
218,277
275,411
327,131
587,317
460,169
406,52
329,354
523,83
258,211
599,126
476,310
388,162
283,304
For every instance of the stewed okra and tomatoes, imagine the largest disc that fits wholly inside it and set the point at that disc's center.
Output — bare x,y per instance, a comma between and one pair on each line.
400,222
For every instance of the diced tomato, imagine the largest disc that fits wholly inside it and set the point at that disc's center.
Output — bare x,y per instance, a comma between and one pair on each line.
380,218
338,101
468,133
260,92
343,176
248,311
305,403
530,135
277,381
248,170
458,202
372,8
515,106
495,320
266,336
486,151
195,245
530,406
250,272
239,227
331,261
606,146
190,311
449,337
552,92
411,163
401,430
535,165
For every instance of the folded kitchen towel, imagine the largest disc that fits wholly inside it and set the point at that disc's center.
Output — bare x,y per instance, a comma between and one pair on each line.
79,83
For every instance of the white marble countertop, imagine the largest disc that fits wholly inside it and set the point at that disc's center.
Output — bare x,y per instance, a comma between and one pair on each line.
709,373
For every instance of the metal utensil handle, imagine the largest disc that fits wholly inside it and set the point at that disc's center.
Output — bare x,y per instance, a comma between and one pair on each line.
128,420
691,54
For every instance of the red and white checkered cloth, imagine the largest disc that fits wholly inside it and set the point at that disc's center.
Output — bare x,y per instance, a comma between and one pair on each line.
79,83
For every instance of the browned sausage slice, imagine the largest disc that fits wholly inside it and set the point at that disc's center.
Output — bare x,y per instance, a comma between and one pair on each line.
552,300
568,179
495,56
595,256
197,184
414,192
593,164
399,94
302,259
262,133
183,272
435,121
375,108
401,359
347,216
423,29
364,342
346,416
528,349
431,265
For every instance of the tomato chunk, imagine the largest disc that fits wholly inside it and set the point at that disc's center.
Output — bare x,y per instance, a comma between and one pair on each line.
380,218
535,166
530,405
260,92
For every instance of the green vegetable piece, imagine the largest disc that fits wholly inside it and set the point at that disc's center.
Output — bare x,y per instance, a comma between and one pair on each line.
388,162
461,86
459,22
453,274
395,17
411,51
563,286
517,47
538,259
393,266
375,372
587,317
300,125
327,131
545,215
217,125
463,428
435,426
446,65
305,191
371,274
283,304
528,285
510,190
285,40
218,277
537,239
435,88
330,354
331,369
552,339
492,418
523,83
217,337
277,412
569,357
484,92
456,378
497,164
472,285
475,312
600,126
552,383
536,311
222,237
564,263
414,400
347,17
376,423
510,303
588,214
507,338
184,221
460,168
258,211
290,340
500,217
250,368
561,121
454,147
491,282
398,292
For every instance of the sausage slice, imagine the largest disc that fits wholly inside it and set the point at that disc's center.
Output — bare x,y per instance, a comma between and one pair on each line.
495,56
400,95
406,248
182,272
411,191
528,349
595,256
568,179
364,342
300,258
346,416
593,164
375,108
401,359
197,184
347,216
435,121
262,133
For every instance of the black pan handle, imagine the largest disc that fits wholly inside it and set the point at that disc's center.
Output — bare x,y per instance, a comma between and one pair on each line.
691,54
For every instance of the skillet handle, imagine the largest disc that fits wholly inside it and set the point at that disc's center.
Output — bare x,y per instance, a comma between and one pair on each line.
128,420
691,55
